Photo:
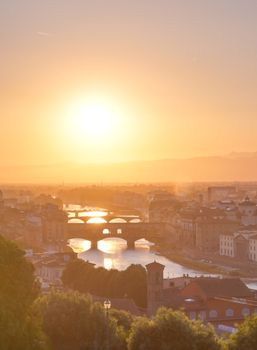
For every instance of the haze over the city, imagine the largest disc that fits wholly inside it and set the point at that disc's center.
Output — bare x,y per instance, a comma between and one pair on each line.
128,177
120,81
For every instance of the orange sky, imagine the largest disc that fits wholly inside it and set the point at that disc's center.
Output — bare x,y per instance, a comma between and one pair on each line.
182,76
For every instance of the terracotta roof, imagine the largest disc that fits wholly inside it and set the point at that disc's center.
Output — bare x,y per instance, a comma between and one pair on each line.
223,287
171,298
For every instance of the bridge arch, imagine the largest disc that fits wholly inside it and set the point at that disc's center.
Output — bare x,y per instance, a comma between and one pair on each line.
75,221
118,221
135,221
106,231
96,221
108,245
79,245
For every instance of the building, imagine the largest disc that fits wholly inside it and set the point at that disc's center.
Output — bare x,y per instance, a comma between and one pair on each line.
222,302
227,247
209,230
49,267
248,212
163,210
253,248
226,204
200,228
241,245
218,193
54,221
154,286
33,229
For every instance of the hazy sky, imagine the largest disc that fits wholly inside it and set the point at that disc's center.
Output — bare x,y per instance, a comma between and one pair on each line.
180,75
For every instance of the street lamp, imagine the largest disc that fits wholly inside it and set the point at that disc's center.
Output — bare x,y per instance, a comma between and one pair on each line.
107,306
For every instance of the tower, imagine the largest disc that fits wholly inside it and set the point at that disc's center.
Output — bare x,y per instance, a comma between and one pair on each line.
154,286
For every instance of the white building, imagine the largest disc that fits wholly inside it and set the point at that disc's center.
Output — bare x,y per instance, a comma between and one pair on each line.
253,248
241,245
227,245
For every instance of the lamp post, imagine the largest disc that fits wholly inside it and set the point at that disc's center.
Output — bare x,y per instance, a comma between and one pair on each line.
107,306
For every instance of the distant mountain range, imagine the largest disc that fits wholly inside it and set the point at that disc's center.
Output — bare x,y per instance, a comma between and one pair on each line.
232,167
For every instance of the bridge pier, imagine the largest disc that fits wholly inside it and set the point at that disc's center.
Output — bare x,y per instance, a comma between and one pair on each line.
131,244
94,245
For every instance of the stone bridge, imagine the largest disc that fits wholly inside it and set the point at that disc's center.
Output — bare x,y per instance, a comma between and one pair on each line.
131,232
111,218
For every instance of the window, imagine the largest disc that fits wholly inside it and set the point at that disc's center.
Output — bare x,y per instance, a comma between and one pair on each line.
229,312
202,315
192,315
245,311
213,313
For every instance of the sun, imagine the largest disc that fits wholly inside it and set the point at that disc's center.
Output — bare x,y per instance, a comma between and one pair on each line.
97,127
93,119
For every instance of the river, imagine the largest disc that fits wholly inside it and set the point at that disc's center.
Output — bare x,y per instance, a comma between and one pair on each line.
112,253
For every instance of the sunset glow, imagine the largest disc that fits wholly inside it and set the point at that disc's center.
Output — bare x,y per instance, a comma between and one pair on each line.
128,177
93,119
126,81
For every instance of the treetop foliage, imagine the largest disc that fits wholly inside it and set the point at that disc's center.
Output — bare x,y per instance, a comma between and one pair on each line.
71,321
84,277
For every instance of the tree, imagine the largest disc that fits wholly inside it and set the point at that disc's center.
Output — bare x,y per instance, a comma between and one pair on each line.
246,335
123,318
134,282
18,289
72,322
18,286
84,277
171,330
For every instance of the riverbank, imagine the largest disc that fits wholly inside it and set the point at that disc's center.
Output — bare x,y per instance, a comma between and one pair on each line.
210,267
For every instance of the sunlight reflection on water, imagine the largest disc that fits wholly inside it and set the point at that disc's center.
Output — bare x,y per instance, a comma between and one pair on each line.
112,253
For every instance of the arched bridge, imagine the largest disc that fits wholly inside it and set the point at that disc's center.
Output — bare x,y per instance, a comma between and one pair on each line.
131,232
111,218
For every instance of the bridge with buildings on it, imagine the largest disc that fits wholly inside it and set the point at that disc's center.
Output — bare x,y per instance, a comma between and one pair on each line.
131,232
109,217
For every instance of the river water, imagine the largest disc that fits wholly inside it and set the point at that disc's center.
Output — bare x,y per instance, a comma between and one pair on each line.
112,253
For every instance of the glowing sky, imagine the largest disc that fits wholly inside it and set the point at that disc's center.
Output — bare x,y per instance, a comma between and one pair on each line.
182,76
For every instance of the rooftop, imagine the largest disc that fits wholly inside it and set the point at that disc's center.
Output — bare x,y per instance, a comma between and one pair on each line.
223,287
